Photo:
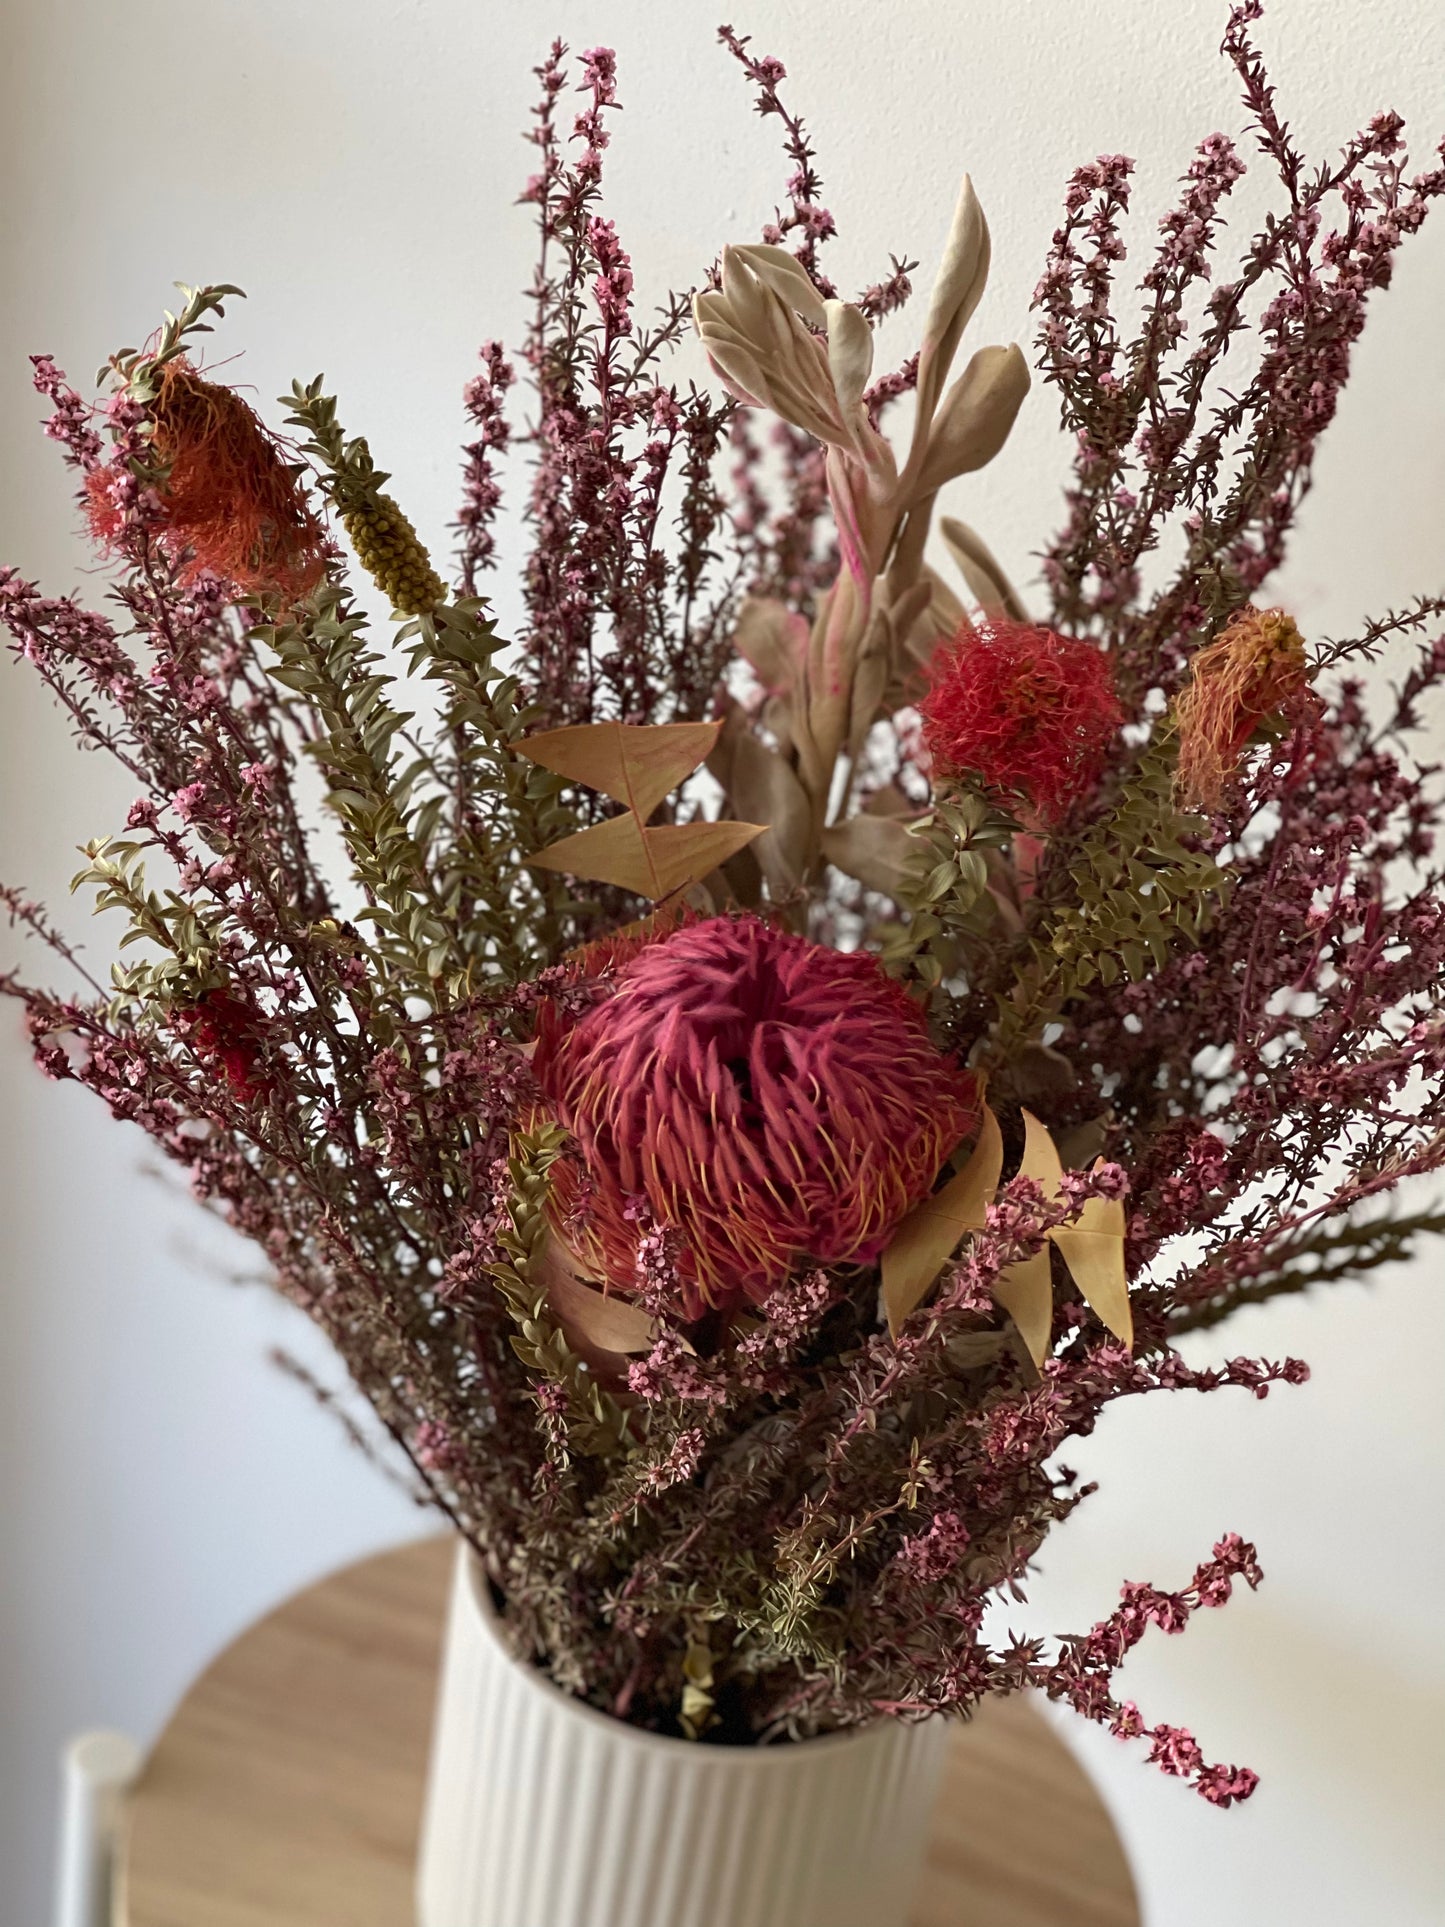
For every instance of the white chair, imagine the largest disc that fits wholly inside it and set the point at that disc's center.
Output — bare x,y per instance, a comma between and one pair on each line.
95,1770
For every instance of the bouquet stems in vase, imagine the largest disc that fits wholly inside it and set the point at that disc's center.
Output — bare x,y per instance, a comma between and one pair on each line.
799,1029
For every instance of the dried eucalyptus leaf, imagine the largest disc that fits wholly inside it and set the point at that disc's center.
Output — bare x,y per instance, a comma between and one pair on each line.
850,353
762,788
888,801
776,717
739,370
634,763
1041,1157
720,758
781,272
599,1327
870,685
907,613
773,642
980,569
957,291
945,615
1093,1249
975,418
1026,1292
933,1230
652,863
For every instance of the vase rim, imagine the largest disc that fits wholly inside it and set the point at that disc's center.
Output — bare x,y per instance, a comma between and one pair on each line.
724,1758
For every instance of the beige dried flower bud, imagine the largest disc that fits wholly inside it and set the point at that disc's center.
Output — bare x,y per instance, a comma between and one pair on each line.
758,329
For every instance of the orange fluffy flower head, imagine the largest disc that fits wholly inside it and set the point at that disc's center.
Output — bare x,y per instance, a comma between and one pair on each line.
1254,674
230,504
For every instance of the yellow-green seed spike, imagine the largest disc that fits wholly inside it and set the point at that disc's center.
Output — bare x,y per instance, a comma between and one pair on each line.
393,555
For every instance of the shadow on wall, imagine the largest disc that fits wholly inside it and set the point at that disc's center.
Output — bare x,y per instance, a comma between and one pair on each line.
1312,1688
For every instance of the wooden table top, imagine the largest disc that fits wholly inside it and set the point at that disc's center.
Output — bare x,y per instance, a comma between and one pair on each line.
286,1790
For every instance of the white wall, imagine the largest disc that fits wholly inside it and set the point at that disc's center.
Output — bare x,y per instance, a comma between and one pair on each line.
353,164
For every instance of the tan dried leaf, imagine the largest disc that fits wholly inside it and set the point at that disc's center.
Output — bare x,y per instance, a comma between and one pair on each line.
933,1230
754,336
1040,1160
653,863
888,801
634,763
974,420
872,674
943,618
907,613
739,369
876,850
1093,1249
762,788
1026,1293
850,353
957,291
1092,1246
980,569
780,271
773,642
590,1320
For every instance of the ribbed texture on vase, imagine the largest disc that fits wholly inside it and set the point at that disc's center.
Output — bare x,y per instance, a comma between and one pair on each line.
543,1813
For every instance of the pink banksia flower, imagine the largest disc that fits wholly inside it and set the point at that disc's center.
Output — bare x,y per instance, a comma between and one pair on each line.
1022,709
770,1101
1254,675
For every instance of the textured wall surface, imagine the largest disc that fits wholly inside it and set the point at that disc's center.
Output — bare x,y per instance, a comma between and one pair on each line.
353,164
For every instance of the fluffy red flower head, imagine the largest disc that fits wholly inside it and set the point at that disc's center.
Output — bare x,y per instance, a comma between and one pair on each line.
767,1099
1024,709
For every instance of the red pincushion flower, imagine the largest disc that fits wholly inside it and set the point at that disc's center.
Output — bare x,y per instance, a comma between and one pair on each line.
766,1098
1025,709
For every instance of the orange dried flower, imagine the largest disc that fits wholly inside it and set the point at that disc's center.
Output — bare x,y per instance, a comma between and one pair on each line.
1253,674
231,504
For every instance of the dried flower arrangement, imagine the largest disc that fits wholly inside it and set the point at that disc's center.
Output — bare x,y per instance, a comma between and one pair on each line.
732,1202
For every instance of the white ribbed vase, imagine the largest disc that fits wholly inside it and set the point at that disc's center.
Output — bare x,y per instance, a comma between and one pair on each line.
542,1812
